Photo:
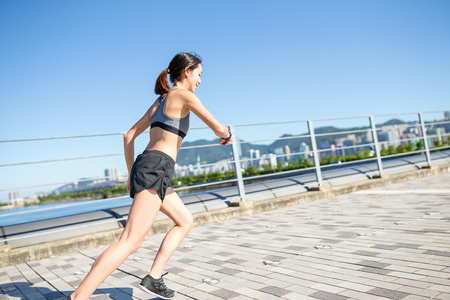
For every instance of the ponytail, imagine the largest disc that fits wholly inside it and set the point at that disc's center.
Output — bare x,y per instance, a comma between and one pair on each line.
177,65
162,85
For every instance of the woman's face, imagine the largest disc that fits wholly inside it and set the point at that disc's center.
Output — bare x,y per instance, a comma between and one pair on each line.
194,78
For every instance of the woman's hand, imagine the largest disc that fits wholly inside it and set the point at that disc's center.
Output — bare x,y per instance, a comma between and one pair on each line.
224,141
128,184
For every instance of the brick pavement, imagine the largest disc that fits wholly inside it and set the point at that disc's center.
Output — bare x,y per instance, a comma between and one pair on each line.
391,242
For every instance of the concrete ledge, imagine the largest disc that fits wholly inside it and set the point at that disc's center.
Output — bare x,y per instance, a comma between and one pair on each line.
432,167
15,256
320,188
380,176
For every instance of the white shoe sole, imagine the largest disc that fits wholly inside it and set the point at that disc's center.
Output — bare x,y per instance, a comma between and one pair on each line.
150,292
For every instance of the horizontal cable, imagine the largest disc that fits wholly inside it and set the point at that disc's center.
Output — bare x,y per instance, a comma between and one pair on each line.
439,148
343,163
200,146
61,137
278,173
205,127
59,159
59,183
346,147
436,135
401,140
277,139
343,132
403,154
398,125
264,156
436,122
204,184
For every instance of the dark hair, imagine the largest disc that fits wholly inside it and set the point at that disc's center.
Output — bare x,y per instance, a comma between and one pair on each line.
177,65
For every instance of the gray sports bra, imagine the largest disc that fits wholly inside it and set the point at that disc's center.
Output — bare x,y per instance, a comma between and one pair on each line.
174,125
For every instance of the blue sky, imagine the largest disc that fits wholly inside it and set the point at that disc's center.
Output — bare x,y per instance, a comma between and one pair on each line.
88,67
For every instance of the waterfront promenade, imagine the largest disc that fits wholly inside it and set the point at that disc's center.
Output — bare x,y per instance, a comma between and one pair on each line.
390,242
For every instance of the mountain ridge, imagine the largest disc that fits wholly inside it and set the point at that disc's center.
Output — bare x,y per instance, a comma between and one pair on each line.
216,153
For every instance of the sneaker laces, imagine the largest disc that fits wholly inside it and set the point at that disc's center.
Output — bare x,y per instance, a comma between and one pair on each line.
161,283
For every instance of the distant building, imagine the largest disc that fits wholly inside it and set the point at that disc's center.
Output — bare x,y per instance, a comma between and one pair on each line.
333,149
304,150
13,196
279,152
349,143
112,173
198,168
369,136
287,149
112,179
393,137
447,116
14,199
253,156
268,158
440,134
323,146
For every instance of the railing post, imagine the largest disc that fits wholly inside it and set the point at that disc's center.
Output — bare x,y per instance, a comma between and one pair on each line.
425,139
316,153
237,163
377,146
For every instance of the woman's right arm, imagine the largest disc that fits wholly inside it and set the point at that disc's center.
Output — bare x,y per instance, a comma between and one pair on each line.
197,107
130,136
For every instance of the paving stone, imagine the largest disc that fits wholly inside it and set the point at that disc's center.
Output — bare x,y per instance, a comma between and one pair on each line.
328,296
226,294
276,291
391,294
374,270
374,264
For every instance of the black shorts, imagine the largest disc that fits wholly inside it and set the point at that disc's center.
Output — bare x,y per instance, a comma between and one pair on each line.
152,169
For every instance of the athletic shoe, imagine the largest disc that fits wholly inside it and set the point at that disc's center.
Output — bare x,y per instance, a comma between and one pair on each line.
156,287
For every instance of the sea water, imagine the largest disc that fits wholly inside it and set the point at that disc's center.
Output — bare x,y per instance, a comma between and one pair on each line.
55,210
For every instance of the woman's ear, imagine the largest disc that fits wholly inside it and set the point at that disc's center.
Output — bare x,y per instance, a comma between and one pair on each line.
187,72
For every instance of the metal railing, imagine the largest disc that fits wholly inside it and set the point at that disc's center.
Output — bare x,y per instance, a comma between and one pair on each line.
374,141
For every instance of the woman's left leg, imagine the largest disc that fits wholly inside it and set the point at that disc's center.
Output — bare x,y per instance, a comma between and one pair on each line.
175,209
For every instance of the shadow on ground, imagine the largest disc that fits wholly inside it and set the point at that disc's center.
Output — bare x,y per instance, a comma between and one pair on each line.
25,290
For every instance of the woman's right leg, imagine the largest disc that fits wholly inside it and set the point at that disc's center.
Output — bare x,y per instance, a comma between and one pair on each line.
143,212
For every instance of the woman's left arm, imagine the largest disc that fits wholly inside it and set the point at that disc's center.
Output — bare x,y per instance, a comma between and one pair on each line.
130,136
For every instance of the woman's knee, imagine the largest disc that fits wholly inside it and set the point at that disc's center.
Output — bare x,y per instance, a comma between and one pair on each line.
188,222
130,245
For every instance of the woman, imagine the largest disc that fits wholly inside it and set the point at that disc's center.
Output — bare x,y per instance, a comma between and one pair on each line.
151,173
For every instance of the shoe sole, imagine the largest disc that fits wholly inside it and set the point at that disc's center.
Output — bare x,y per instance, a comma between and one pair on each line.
150,292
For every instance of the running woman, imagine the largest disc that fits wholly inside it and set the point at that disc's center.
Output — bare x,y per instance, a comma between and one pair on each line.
150,176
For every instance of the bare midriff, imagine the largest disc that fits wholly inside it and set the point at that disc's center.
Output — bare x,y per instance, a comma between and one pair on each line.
164,141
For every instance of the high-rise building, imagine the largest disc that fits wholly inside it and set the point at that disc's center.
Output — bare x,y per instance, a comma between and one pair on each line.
304,150
288,152
112,173
393,137
253,156
13,196
333,149
279,152
440,133
369,136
